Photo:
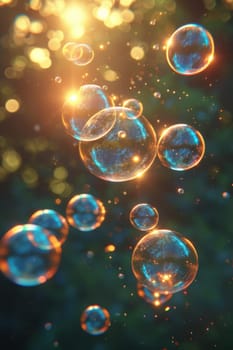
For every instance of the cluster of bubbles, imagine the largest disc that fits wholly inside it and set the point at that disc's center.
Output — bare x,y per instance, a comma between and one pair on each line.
78,53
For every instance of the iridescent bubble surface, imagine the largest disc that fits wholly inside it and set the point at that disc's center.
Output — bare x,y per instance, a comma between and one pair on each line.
52,221
85,212
144,217
134,105
190,49
95,320
24,262
79,110
181,147
125,152
79,54
151,296
164,261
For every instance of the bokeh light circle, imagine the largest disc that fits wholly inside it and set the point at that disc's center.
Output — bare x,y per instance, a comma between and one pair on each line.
165,261
190,49
144,217
181,147
95,320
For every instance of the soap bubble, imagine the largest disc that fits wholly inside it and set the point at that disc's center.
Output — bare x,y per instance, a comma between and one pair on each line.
181,147
80,54
144,217
24,262
95,320
52,221
151,296
164,261
79,113
134,105
190,49
85,212
116,158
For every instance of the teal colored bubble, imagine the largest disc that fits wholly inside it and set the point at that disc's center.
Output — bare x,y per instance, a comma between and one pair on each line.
95,320
190,49
78,113
181,147
144,217
124,153
165,261
85,212
54,222
24,262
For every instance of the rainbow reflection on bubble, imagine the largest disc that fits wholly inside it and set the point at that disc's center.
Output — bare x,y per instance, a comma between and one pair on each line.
85,212
144,217
25,263
125,152
190,49
54,222
164,261
151,296
181,147
78,113
95,320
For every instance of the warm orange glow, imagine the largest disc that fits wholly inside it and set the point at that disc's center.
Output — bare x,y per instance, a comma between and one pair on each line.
72,97
110,248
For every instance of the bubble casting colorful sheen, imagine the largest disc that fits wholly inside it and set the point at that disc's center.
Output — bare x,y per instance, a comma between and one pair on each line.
78,109
181,147
190,49
52,221
95,320
85,212
144,217
125,152
24,262
164,261
151,296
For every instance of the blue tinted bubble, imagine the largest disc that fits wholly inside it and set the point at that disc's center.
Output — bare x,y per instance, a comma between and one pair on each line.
85,212
79,109
134,105
190,49
95,320
144,217
125,152
181,147
164,261
25,263
151,296
52,221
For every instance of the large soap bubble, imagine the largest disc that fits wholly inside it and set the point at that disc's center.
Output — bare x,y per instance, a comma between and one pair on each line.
78,113
190,49
23,258
164,261
181,147
125,152
95,320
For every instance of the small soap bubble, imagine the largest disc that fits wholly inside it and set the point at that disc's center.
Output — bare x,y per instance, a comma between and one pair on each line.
181,147
134,105
79,54
54,222
48,326
157,94
151,296
190,49
165,261
25,263
79,113
144,217
85,212
95,320
58,80
180,190
226,195
114,158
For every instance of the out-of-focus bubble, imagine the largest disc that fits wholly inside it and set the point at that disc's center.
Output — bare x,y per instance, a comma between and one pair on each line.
181,147
144,217
85,212
24,262
58,79
151,296
95,320
157,95
79,54
116,158
164,261
190,49
79,113
135,105
54,222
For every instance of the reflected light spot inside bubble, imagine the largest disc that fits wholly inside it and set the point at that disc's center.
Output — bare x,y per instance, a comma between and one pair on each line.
12,105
